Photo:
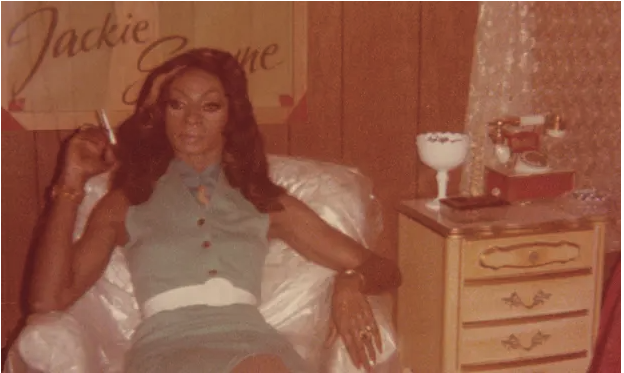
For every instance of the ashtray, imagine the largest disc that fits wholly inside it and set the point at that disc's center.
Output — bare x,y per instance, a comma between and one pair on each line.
586,202
589,195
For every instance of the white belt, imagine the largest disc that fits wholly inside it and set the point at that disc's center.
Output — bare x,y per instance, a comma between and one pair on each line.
214,292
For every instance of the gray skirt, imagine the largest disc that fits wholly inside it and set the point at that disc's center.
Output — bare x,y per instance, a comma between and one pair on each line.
203,339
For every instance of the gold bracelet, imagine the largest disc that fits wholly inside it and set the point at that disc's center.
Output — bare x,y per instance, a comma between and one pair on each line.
64,191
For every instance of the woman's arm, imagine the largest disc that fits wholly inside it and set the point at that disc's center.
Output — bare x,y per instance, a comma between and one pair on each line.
360,272
301,228
63,269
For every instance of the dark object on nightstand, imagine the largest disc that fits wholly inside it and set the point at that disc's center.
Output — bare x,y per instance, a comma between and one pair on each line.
470,203
473,209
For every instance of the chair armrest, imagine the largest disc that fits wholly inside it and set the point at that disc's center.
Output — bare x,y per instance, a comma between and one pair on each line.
92,336
55,342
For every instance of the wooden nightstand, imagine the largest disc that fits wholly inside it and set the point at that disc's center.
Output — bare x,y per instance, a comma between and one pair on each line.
520,293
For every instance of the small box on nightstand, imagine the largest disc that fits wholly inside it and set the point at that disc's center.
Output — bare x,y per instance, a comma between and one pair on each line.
513,187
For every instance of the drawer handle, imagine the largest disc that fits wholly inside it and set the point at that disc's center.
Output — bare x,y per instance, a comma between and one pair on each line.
514,300
513,342
529,255
534,257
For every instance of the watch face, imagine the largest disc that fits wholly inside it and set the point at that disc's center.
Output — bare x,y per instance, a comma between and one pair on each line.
534,159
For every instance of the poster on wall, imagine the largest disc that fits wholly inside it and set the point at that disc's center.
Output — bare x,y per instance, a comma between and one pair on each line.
62,61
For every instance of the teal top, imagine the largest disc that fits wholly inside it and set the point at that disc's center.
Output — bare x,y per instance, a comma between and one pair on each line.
175,241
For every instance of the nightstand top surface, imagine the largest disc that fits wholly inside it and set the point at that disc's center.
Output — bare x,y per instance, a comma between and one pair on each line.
547,216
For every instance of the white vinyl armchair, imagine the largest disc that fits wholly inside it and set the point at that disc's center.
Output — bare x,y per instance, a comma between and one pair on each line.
93,335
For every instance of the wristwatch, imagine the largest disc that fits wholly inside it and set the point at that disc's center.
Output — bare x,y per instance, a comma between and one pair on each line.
354,273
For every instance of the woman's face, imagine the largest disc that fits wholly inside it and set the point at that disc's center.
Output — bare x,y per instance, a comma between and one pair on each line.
195,115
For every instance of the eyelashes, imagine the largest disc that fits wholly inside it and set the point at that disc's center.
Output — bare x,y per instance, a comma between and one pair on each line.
174,104
207,107
212,107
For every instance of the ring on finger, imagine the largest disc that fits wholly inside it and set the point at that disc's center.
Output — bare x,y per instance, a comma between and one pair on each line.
364,335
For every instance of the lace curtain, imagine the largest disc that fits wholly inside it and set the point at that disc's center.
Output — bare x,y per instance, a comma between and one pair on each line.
561,57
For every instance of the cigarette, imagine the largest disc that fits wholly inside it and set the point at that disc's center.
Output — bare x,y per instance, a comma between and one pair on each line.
107,126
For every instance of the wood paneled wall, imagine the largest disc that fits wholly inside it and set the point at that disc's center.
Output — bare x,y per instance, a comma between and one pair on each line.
378,74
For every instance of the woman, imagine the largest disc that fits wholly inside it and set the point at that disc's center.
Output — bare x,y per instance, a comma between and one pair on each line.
192,202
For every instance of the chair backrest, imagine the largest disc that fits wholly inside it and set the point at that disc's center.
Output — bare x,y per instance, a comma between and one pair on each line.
295,291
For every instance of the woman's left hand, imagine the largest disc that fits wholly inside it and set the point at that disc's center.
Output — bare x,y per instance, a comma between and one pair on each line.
353,320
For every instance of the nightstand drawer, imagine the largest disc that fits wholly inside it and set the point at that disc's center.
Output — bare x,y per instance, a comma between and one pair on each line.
513,342
527,255
526,298
568,366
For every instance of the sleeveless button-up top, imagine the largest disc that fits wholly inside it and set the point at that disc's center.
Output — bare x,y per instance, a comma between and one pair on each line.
175,241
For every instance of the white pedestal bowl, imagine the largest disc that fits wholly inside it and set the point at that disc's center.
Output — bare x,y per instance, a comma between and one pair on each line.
442,151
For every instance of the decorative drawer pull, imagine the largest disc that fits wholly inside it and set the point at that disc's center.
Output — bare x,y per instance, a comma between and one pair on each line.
534,257
529,255
513,342
514,300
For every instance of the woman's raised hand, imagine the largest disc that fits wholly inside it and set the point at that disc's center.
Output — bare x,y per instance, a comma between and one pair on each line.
88,153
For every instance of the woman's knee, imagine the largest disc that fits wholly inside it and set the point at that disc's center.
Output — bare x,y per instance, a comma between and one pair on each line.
265,363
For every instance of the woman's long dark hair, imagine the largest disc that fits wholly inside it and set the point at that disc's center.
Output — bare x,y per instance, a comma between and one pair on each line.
144,151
